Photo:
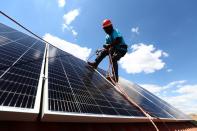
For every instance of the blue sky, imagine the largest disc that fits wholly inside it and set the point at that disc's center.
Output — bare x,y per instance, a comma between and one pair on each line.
162,36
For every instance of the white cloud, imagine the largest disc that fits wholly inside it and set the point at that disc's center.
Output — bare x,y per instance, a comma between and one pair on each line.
74,32
70,16
152,88
157,89
72,48
61,3
187,102
169,70
177,93
143,58
69,28
175,84
165,54
188,89
68,19
135,30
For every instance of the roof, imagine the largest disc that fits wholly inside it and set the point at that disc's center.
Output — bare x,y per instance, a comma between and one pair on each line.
39,82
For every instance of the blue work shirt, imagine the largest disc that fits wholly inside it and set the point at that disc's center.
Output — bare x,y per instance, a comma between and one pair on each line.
112,37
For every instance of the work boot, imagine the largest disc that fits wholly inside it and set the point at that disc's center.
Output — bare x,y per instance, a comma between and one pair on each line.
92,64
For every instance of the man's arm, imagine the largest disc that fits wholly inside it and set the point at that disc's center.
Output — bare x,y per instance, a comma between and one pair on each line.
115,42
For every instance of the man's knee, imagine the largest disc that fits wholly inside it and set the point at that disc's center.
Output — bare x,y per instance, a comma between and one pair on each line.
104,52
100,57
118,55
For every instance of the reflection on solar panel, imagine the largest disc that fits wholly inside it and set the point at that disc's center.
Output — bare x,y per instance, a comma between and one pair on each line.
72,90
151,103
76,88
20,68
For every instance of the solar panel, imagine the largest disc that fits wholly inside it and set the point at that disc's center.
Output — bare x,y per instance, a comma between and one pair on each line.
6,29
151,103
21,64
155,106
73,87
72,92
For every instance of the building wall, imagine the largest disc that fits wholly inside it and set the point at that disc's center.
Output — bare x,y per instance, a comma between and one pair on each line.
51,126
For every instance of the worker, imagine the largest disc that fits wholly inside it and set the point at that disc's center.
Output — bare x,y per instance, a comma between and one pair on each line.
114,44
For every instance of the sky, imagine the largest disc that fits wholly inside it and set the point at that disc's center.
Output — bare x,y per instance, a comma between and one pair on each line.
161,35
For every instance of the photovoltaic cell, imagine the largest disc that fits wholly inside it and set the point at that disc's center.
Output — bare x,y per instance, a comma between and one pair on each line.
155,106
9,54
151,103
5,29
13,35
74,87
161,103
20,66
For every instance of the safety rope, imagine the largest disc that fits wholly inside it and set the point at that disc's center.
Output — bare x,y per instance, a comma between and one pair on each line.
121,91
118,87
26,62
24,27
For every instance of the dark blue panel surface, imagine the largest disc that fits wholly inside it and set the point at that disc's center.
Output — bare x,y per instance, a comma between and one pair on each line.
161,103
20,66
151,103
75,87
6,29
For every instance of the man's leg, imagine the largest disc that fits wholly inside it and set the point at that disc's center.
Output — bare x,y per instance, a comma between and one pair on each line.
115,58
115,66
99,58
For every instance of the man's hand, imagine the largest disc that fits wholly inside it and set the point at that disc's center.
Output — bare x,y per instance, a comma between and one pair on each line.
115,42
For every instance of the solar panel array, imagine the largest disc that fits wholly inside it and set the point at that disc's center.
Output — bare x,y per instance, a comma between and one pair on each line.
75,87
21,59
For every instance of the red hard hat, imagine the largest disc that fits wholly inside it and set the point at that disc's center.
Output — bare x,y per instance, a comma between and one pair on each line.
106,23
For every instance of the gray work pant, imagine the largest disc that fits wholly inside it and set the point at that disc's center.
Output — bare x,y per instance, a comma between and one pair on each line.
116,55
